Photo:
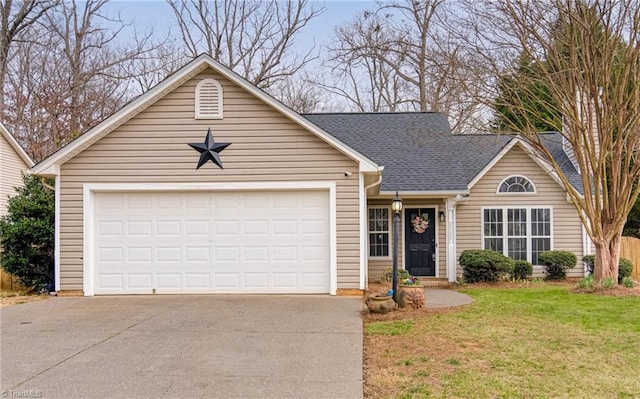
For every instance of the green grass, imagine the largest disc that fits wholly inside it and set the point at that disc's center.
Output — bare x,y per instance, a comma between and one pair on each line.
399,327
540,342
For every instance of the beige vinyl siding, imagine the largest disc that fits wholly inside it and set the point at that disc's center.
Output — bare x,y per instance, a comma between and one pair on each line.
566,225
11,168
377,266
152,148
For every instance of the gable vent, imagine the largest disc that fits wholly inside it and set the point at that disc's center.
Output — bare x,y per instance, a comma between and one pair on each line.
208,99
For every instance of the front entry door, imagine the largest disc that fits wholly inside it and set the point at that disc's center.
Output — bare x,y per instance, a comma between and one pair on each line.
420,241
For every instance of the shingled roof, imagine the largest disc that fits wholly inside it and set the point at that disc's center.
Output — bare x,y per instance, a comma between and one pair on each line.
418,150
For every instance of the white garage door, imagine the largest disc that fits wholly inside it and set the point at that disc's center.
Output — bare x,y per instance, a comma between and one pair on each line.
201,242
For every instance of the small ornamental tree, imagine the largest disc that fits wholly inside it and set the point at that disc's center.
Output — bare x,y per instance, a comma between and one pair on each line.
27,234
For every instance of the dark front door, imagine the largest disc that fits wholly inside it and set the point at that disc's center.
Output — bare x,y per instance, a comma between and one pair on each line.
420,241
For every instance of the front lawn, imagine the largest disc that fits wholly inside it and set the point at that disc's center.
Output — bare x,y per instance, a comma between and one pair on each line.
535,342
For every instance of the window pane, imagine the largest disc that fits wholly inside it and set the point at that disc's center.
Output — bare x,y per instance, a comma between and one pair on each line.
517,248
378,232
495,244
516,184
492,222
539,245
516,222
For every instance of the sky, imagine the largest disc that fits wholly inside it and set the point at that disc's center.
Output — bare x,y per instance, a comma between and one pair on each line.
158,14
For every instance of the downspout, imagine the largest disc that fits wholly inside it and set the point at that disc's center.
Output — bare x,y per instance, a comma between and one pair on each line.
364,269
374,183
43,180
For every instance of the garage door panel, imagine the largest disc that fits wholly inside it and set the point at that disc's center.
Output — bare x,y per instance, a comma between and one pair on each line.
198,242
168,281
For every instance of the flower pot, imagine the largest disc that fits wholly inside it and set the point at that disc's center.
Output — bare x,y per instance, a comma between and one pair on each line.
411,295
381,303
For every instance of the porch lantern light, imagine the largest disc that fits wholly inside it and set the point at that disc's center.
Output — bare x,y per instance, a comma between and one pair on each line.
441,215
396,206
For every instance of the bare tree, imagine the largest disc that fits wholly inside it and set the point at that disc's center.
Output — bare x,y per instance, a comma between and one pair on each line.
69,73
159,63
300,93
409,61
15,17
587,54
363,68
252,38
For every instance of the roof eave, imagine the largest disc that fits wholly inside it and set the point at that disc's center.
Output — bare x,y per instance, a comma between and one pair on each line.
16,146
423,194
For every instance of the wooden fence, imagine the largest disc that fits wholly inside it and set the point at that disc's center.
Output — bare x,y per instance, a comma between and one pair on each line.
630,249
8,282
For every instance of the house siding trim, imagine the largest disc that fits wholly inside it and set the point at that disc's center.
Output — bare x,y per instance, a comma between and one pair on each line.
56,238
89,190
362,212
16,147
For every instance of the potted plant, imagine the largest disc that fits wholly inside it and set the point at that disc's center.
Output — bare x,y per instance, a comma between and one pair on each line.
381,303
411,292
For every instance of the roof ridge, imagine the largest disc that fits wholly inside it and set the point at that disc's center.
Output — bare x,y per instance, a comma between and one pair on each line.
373,113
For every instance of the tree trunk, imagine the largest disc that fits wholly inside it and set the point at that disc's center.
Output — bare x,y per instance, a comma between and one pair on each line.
607,258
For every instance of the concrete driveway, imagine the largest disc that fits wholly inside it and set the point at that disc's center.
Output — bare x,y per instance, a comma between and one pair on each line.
213,346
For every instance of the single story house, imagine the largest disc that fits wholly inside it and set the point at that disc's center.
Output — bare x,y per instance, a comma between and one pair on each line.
207,184
14,161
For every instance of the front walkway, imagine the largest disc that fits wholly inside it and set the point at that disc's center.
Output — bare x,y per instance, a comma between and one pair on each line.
443,298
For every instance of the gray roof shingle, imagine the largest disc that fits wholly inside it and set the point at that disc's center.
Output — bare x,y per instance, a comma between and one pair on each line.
418,150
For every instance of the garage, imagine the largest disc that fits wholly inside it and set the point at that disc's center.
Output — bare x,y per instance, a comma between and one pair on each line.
209,241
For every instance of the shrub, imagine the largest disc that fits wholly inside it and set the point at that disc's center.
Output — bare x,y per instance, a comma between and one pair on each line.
586,283
628,282
387,276
625,266
522,270
608,283
484,265
556,263
27,234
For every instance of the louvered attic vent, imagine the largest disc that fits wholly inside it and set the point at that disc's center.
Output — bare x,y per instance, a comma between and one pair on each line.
208,99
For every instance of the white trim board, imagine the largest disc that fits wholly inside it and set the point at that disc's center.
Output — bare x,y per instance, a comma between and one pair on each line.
89,190
16,147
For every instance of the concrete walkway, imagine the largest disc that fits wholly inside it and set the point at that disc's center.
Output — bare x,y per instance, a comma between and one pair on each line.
443,298
187,346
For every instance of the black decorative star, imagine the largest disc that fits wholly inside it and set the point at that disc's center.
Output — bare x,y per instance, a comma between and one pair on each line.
209,150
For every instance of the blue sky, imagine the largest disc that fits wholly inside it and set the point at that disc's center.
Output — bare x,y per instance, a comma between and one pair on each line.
156,13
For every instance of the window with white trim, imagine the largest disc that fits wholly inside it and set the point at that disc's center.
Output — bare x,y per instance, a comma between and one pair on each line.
520,233
516,184
379,232
208,99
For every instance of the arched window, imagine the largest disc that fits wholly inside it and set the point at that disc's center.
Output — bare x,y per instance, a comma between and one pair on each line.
516,184
208,99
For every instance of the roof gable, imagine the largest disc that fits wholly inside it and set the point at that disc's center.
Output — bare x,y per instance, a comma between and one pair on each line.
15,146
51,165
559,156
